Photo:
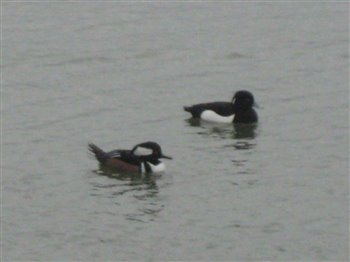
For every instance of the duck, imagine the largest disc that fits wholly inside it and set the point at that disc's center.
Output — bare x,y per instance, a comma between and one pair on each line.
142,158
239,110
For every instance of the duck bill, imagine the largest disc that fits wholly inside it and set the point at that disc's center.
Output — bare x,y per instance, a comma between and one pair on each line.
167,157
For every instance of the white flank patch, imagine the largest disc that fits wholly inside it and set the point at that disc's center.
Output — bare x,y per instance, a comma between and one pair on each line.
142,151
157,168
211,116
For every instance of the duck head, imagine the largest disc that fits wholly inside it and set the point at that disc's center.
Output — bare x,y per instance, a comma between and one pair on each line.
243,100
149,149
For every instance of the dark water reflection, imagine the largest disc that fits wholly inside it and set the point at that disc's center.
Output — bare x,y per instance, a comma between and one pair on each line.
238,137
232,131
124,187
134,178
244,131
133,182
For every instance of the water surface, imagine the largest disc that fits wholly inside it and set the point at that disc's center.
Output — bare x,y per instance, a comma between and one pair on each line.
118,74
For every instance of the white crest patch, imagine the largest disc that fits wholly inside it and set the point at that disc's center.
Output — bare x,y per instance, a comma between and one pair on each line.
211,116
142,151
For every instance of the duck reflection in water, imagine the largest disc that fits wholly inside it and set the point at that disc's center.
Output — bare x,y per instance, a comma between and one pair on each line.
121,187
134,179
233,131
244,131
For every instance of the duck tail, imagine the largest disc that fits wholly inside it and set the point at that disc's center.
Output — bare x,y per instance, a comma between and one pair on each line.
98,152
193,110
187,109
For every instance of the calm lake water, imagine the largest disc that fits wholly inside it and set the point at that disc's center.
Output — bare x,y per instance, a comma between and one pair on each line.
118,74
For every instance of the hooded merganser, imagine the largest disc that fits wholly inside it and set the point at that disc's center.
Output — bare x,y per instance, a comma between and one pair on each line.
143,158
239,110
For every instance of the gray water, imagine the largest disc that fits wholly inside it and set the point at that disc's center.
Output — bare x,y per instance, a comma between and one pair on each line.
118,74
